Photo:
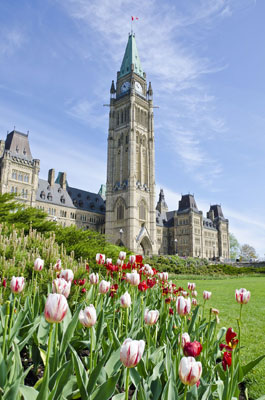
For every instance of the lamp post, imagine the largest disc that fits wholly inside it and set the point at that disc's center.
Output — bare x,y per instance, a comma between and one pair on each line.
121,233
176,246
214,252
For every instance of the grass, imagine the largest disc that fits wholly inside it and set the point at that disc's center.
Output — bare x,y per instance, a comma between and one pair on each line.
253,318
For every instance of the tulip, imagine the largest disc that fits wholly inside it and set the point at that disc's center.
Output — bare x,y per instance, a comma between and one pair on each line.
67,274
151,316
58,265
133,278
190,370
163,276
119,262
206,295
93,279
185,338
122,255
147,270
100,258
131,352
38,264
142,286
55,308
184,293
194,302
192,349
61,286
88,316
132,259
194,293
104,287
183,305
126,300
242,296
191,286
17,284
109,261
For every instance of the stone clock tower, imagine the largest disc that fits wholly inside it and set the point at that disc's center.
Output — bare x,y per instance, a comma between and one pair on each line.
130,193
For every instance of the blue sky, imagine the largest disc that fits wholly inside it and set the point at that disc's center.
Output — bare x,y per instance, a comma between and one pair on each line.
206,61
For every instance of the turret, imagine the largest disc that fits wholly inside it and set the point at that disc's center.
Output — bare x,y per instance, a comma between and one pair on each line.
112,90
150,92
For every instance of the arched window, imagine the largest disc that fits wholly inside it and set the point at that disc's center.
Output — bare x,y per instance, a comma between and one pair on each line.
120,212
49,196
142,212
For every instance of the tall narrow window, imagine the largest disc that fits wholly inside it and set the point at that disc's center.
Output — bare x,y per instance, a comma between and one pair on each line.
142,212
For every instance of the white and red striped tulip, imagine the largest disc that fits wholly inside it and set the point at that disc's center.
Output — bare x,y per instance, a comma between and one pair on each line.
61,286
151,316
184,293
100,258
122,255
163,276
126,300
67,274
191,286
185,338
133,278
131,352
104,287
88,316
147,269
242,296
55,308
194,293
194,302
183,305
58,265
132,259
109,261
207,295
190,370
38,264
93,278
119,262
17,284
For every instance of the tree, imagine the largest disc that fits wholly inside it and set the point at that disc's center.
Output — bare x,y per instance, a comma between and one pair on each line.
234,246
8,205
247,252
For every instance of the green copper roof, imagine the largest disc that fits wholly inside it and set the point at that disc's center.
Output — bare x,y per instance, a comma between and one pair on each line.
131,57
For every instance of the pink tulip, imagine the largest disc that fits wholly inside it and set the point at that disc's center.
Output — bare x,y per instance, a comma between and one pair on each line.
100,258
38,264
133,278
104,287
242,296
191,286
67,274
122,255
58,265
132,259
183,305
131,352
190,370
185,338
88,316
17,284
93,279
207,295
55,308
126,300
61,286
151,316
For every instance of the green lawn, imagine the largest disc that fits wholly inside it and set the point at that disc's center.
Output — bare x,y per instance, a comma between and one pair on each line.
253,318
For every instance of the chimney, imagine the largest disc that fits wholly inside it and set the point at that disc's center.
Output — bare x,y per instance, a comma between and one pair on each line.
63,180
210,215
51,176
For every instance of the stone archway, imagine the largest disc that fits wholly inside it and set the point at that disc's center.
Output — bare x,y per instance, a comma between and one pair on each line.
146,246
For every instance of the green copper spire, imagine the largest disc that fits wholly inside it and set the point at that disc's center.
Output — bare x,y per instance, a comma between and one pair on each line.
131,57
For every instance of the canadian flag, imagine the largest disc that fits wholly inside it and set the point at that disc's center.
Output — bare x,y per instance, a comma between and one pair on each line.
134,18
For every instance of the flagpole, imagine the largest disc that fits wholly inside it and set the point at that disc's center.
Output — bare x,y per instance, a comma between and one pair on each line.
131,25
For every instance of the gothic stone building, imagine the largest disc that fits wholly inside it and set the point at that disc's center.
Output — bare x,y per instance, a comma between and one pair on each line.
125,208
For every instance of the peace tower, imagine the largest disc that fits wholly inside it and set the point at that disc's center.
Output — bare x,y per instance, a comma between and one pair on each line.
130,189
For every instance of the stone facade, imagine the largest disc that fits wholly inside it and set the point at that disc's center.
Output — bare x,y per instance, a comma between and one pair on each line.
125,208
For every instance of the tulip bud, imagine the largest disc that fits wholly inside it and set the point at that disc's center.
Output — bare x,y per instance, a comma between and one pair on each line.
17,284
132,259
194,293
58,265
109,261
38,264
191,286
88,316
183,305
194,302
55,308
190,370
61,286
93,279
242,296
133,278
67,274
151,316
206,295
192,349
104,287
184,293
122,255
131,352
126,300
119,262
185,338
100,258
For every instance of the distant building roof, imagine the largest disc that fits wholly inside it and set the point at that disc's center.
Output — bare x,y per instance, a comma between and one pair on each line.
18,145
217,209
87,201
53,194
208,223
187,203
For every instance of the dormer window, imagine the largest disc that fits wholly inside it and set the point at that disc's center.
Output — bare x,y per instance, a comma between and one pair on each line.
92,206
24,152
17,149
79,195
42,195
49,196
62,199
81,204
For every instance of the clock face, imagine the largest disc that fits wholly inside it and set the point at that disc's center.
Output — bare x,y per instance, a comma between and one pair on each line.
125,87
138,87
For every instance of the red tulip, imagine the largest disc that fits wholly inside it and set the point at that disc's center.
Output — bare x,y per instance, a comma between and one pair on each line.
227,360
192,349
142,286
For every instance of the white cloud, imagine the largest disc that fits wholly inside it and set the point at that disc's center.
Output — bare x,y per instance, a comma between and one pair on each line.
11,39
88,112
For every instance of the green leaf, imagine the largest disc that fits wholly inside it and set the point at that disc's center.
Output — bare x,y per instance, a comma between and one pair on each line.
141,369
95,373
81,374
106,390
120,396
29,333
113,363
193,320
135,377
221,333
193,393
156,388
13,391
69,331
28,393
252,364
43,331
100,325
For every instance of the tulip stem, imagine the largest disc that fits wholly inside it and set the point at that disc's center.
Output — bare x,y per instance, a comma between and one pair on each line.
6,326
11,318
179,346
55,347
48,352
91,348
127,384
239,330
113,319
126,322
185,392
